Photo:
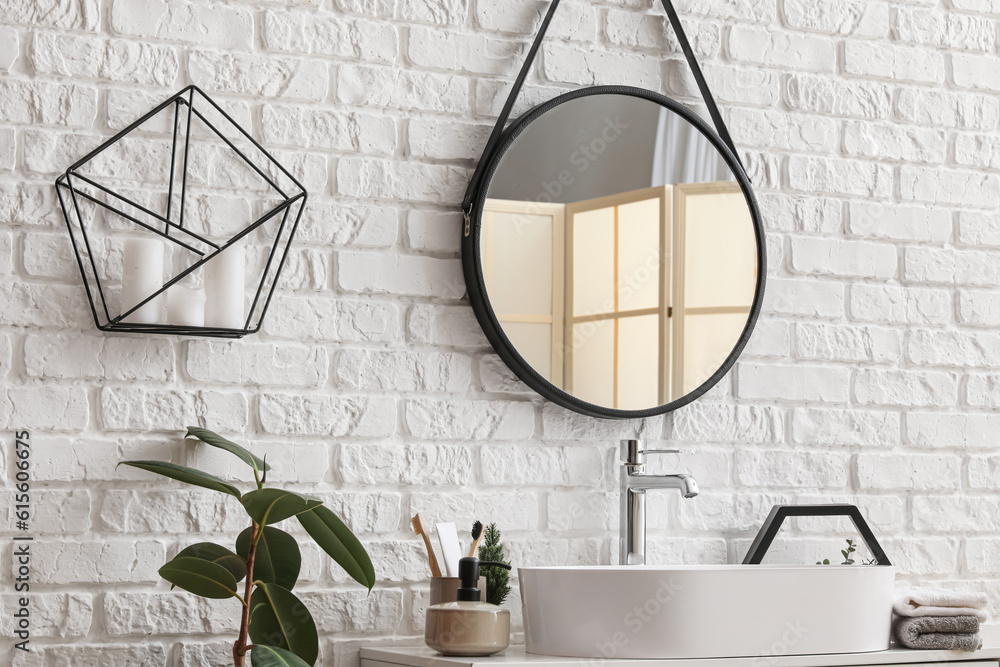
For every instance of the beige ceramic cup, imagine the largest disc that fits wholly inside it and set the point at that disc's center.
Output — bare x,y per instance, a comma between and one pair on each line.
467,628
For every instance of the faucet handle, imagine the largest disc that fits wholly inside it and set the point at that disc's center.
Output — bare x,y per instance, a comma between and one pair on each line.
632,452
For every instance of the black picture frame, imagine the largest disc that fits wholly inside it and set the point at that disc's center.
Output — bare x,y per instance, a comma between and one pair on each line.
476,285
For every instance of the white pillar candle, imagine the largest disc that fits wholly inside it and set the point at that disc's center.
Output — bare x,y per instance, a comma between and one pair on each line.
185,306
142,275
225,289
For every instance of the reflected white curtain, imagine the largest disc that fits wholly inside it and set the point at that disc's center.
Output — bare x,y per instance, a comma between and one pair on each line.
684,155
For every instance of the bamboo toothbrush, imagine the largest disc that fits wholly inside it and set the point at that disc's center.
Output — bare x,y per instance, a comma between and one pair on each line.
477,534
421,530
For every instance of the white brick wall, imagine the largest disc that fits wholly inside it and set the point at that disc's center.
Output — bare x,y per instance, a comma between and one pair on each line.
870,128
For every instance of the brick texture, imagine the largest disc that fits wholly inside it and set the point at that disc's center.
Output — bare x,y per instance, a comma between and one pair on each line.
871,131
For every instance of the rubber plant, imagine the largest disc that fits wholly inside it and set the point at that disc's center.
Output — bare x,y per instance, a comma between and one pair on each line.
276,628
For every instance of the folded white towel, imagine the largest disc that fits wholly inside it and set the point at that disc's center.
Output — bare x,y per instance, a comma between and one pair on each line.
914,602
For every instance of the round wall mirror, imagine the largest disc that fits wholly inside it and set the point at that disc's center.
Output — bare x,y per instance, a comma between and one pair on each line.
615,256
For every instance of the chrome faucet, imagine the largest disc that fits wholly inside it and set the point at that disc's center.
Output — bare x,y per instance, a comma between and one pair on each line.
634,484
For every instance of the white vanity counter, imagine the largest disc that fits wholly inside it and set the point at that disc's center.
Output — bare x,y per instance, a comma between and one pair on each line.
515,656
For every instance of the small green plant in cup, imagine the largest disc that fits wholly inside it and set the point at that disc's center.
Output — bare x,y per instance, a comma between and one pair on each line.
497,578
276,628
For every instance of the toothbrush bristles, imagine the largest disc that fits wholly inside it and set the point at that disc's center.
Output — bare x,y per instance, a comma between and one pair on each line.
477,530
416,525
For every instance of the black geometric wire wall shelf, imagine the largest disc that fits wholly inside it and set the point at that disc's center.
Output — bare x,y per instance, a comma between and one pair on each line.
189,176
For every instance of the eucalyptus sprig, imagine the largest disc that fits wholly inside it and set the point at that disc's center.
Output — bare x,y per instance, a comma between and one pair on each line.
266,559
848,555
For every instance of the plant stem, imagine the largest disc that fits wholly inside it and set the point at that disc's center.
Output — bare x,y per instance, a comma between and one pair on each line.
240,647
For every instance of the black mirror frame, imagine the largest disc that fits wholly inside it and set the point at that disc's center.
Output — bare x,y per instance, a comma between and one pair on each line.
476,284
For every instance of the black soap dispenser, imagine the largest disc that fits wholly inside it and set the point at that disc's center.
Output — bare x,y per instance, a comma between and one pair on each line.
469,626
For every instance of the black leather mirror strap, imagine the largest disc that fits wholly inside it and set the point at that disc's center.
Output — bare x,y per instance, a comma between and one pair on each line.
495,137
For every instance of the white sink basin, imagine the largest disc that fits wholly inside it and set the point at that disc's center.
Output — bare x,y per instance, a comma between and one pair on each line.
706,611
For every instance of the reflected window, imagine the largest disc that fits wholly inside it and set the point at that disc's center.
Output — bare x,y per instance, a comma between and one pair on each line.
629,300
619,251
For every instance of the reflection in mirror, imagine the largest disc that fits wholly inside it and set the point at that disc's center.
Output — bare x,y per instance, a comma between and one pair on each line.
618,251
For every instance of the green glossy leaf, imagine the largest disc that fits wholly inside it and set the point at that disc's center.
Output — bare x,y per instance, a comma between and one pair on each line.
186,475
267,506
277,560
337,540
216,440
201,577
270,656
219,555
278,618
